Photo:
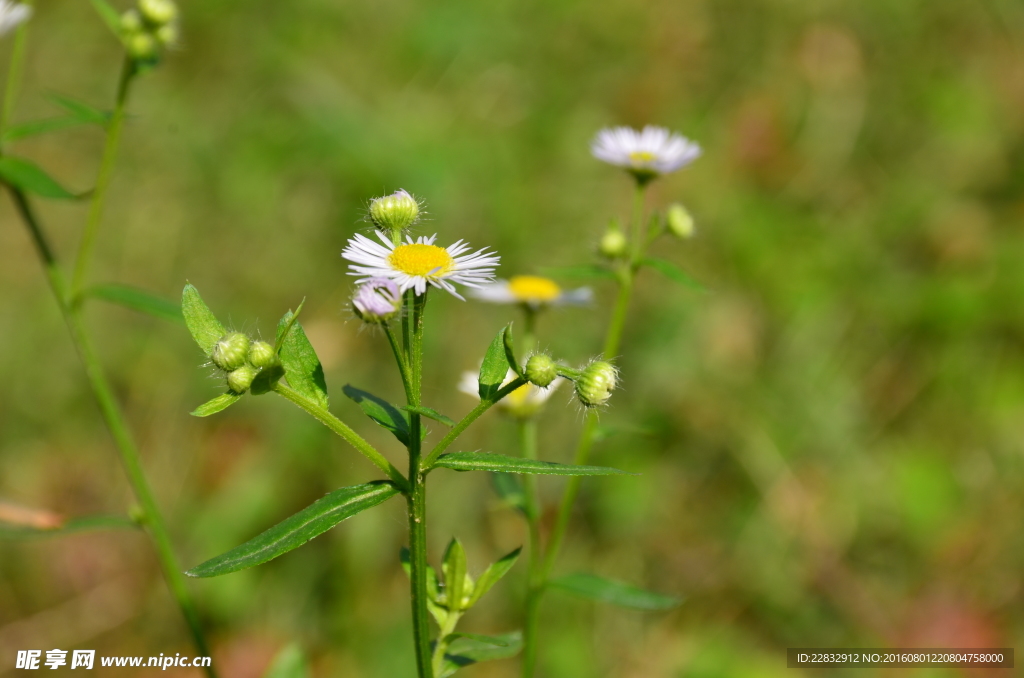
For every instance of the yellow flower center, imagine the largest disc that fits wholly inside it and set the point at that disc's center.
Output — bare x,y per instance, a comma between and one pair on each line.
641,157
533,289
429,261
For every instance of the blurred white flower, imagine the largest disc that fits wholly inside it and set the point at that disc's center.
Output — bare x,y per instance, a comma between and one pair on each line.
534,291
522,403
12,14
648,153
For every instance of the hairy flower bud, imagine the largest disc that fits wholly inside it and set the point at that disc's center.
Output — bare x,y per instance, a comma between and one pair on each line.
680,222
596,383
158,12
240,380
141,45
167,35
262,354
394,212
131,22
230,352
377,300
613,243
541,370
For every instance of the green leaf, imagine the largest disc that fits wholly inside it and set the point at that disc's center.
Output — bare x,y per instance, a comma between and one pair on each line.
671,271
510,353
290,662
508,488
494,368
221,402
110,16
485,640
199,319
282,332
137,300
488,461
430,414
83,524
37,127
492,574
28,177
296,530
455,577
302,368
471,650
609,591
583,271
83,113
265,380
381,411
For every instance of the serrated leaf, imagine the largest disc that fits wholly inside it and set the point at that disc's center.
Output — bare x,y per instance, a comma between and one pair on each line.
221,402
29,177
302,368
430,414
488,461
454,567
508,488
510,353
200,320
583,271
592,587
110,16
494,368
81,112
466,651
492,574
299,528
265,380
290,662
672,272
137,300
381,411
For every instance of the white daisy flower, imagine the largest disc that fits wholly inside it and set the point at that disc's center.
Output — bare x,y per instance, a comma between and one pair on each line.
12,14
533,291
523,402
414,264
647,154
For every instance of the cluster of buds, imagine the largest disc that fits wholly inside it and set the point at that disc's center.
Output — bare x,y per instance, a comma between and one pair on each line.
615,245
594,382
149,29
394,213
242,359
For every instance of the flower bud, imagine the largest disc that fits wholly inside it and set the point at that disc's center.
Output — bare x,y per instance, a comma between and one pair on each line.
541,370
158,12
377,300
596,383
680,222
230,352
141,46
394,212
262,354
131,22
167,35
613,243
240,380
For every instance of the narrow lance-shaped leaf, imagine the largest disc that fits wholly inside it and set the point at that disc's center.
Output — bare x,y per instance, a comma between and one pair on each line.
492,574
381,411
494,368
510,353
302,368
430,414
138,300
37,127
290,662
109,15
466,651
199,319
81,112
454,567
487,461
296,530
221,402
672,272
29,177
592,587
484,640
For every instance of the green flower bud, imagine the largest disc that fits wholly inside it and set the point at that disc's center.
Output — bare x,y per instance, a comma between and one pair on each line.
596,383
613,243
262,354
230,352
141,46
167,35
131,22
680,222
541,370
240,380
158,12
394,212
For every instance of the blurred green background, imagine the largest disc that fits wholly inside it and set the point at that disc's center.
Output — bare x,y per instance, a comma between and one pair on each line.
830,438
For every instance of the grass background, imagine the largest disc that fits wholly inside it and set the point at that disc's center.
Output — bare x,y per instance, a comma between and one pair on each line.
830,437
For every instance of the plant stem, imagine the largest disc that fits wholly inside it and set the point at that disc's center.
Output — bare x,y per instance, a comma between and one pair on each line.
403,367
535,572
441,648
151,519
99,196
325,417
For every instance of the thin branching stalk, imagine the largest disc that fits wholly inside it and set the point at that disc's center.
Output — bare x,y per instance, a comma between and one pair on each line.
14,72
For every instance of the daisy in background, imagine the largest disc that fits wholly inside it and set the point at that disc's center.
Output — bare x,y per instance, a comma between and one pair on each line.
646,154
522,403
413,265
12,14
532,291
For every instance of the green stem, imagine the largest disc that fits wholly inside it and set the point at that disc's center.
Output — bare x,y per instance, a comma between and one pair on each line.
325,417
450,622
535,571
151,519
14,72
99,195
403,366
